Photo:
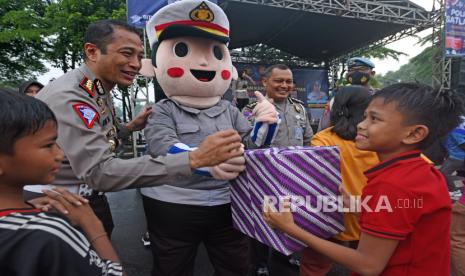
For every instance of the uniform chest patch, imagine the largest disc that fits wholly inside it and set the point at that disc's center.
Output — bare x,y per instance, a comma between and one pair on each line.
87,114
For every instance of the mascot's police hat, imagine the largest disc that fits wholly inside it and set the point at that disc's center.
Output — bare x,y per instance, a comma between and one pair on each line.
188,18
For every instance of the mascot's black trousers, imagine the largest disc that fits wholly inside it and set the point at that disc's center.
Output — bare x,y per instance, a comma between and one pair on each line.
176,230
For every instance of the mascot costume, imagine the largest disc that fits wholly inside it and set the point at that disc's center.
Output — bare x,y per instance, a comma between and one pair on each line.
193,66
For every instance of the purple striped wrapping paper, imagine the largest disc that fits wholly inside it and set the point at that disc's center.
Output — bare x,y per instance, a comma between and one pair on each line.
300,171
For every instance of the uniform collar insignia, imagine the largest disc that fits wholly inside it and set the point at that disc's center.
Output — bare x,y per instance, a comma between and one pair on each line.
99,87
87,114
88,86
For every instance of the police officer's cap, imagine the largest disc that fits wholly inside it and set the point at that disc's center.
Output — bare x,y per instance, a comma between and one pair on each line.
188,18
360,61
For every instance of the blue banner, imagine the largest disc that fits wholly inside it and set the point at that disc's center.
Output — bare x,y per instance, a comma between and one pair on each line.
140,11
312,85
455,28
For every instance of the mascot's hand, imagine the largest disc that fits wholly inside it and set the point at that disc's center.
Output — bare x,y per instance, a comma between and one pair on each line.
229,169
264,111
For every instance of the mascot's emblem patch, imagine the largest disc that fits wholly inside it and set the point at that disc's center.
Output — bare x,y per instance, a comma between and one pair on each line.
87,114
202,13
88,86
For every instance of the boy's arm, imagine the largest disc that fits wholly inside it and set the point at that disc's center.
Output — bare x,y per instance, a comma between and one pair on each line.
85,218
370,258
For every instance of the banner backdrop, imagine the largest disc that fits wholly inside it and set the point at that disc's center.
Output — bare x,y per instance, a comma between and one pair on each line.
140,11
455,28
306,80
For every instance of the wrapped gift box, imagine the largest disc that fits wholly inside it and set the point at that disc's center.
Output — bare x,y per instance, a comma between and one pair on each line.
301,172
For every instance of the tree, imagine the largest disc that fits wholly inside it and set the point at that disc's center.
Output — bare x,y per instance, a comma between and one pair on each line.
69,20
419,69
22,31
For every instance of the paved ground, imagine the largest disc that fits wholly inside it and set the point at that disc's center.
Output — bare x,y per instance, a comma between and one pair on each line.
129,221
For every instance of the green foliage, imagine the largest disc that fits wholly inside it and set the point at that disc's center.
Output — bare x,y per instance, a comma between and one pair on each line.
35,31
22,31
419,69
382,53
68,20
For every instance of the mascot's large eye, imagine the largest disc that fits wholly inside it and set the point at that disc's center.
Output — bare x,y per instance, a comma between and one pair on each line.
180,49
217,52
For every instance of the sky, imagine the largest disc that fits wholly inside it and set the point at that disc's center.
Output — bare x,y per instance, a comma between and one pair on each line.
407,45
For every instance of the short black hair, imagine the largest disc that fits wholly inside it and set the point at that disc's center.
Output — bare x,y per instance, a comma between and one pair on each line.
270,69
440,111
100,33
20,115
348,110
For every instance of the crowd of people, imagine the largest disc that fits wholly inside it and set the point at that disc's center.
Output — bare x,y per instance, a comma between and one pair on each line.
66,134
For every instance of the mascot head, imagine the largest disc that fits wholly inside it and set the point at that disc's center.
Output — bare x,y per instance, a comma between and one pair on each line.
189,52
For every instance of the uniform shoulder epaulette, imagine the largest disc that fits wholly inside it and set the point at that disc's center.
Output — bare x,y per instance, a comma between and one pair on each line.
294,100
88,86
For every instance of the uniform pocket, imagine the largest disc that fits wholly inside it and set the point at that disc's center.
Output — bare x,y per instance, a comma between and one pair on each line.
186,129
224,127
189,134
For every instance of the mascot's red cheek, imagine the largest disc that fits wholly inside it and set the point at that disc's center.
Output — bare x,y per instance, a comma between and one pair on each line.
175,72
225,74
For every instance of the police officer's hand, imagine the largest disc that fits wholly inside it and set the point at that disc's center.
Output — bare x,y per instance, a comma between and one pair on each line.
138,123
216,149
265,111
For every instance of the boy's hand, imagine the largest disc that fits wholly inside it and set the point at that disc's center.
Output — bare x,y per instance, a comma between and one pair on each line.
281,220
79,214
46,203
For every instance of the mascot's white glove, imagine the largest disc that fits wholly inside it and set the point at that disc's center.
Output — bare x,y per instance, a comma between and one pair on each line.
264,111
266,122
229,169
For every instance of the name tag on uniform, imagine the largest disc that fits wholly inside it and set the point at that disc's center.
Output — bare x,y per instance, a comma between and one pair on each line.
298,133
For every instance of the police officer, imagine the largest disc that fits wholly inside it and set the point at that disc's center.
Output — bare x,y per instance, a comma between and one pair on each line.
359,72
294,127
294,130
88,131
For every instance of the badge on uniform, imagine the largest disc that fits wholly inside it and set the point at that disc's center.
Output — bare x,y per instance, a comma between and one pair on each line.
298,133
101,103
99,86
88,86
87,114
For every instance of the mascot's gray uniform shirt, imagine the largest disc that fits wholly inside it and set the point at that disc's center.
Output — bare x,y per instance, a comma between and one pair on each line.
85,130
172,123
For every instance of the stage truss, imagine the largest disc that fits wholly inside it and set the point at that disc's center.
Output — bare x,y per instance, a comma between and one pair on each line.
388,11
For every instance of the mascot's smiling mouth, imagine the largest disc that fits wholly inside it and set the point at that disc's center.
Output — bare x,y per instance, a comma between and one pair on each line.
202,75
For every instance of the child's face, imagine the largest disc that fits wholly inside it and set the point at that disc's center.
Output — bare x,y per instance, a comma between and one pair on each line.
36,158
382,130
